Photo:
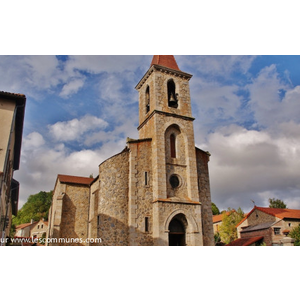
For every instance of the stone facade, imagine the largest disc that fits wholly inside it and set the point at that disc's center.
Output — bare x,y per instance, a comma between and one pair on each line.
156,191
68,215
271,223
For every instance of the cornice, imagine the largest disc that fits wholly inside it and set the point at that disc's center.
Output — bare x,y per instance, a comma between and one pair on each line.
166,114
165,70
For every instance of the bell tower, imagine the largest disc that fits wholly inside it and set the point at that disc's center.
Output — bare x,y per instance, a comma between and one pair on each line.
165,116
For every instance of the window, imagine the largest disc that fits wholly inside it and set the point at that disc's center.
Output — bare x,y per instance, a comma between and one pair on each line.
173,145
172,96
146,178
174,181
98,220
276,231
147,99
146,224
42,226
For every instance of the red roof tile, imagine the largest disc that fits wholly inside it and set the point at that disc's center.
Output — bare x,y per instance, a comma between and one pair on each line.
166,61
2,93
245,241
281,213
219,218
75,179
21,226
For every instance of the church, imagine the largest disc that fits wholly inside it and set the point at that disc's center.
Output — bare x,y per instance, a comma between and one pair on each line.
156,192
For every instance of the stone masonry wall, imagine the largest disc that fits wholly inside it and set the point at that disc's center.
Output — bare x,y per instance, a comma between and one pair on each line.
259,217
113,200
165,211
157,82
55,212
74,223
266,233
205,198
140,193
93,210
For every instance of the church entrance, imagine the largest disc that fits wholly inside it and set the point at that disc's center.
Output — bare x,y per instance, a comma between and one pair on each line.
176,232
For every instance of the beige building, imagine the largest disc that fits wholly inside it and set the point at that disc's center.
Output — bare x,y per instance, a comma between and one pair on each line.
156,191
24,230
39,230
12,108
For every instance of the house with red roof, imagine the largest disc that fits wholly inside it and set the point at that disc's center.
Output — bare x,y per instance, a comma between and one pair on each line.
267,225
24,230
217,221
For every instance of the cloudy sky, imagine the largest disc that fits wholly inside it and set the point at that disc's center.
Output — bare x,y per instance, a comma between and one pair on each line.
80,109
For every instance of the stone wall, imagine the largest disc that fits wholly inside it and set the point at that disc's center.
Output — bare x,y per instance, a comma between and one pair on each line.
140,193
164,211
93,210
157,79
68,215
205,198
55,212
112,215
266,233
74,223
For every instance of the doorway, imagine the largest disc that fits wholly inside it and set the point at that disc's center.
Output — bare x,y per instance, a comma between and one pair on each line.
176,233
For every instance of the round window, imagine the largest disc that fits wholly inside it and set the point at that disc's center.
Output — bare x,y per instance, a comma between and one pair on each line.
174,181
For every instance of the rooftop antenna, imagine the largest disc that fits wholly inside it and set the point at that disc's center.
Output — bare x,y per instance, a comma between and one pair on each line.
255,210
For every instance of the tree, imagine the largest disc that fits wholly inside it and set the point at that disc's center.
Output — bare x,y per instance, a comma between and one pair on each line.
36,208
214,208
276,203
295,234
230,219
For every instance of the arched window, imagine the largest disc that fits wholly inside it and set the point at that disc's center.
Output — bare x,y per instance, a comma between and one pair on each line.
173,145
172,98
147,99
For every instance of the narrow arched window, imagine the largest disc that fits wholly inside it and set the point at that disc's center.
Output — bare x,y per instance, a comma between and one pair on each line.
147,99
173,145
172,98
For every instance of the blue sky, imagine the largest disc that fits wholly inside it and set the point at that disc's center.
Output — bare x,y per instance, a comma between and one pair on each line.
80,109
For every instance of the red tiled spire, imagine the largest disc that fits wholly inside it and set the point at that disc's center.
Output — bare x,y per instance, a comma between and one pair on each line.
166,61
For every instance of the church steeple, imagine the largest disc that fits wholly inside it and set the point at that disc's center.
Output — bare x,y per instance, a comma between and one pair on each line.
165,61
164,88
165,117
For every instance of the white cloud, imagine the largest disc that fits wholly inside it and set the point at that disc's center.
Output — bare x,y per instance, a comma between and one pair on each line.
216,65
272,100
96,64
72,87
33,140
40,165
247,164
76,128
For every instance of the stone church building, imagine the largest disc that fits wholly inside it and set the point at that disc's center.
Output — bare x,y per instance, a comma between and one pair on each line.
156,191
